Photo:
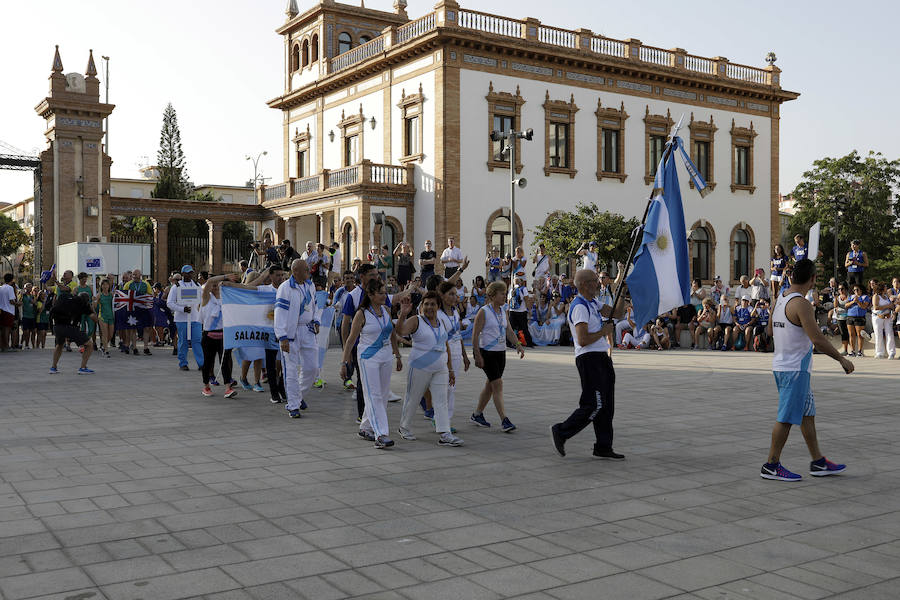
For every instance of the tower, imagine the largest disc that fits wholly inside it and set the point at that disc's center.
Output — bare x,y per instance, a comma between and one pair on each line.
75,199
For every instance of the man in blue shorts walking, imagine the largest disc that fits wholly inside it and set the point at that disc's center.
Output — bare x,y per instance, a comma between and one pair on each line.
795,331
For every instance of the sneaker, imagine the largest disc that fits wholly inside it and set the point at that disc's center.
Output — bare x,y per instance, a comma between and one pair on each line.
257,388
359,419
506,425
106,354
84,371
134,351
295,413
246,384
394,398
479,420
860,353
146,352
890,356
348,385
429,414
275,400
54,370
184,368
843,353
865,334
69,349
608,454
174,351
879,355
319,384
230,392
212,380
406,434
366,435
383,442
448,439
303,405
778,472
824,467
558,442
207,391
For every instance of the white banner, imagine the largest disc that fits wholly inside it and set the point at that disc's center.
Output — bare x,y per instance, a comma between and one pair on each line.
814,232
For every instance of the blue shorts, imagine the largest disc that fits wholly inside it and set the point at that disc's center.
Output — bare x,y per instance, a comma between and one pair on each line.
795,397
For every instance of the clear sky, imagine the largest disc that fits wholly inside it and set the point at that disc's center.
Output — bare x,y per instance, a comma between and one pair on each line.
218,61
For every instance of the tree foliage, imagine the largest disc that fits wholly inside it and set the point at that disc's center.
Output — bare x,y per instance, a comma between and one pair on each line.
12,236
173,178
886,267
867,187
237,230
564,234
132,227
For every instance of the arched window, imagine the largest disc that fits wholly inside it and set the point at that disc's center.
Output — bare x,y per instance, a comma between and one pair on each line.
295,58
363,39
501,236
304,54
315,48
347,242
741,254
700,253
344,42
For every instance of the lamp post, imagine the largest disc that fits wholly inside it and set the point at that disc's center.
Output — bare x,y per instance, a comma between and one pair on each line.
510,149
256,166
840,206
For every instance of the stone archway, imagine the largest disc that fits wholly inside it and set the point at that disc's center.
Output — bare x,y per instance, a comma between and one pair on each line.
349,241
751,248
489,230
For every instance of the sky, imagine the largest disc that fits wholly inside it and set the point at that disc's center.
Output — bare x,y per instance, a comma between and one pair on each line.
219,61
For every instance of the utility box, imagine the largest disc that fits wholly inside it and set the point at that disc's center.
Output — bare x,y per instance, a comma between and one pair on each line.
98,258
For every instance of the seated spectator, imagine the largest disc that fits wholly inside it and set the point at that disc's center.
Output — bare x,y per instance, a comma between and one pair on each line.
725,326
706,323
743,325
718,290
639,339
660,335
626,323
760,334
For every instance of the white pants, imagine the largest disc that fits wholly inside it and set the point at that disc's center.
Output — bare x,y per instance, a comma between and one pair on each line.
376,382
638,343
301,367
417,381
621,327
883,332
457,363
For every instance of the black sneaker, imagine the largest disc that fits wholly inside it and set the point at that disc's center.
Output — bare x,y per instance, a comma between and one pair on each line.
174,351
275,400
146,351
135,351
608,454
558,442
185,368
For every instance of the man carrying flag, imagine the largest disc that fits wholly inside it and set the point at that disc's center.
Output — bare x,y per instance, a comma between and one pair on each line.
659,282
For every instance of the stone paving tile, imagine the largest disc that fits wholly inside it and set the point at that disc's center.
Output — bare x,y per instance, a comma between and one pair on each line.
178,499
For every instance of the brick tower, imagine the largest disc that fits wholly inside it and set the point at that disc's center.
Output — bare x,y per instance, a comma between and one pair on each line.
75,204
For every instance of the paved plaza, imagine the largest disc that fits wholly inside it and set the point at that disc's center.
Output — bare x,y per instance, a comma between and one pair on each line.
130,485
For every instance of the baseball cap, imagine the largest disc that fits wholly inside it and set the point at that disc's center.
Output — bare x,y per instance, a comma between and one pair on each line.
593,244
745,297
187,269
718,278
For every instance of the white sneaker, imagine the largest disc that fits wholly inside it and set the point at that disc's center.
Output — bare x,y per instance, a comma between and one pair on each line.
394,398
891,356
406,434
448,439
879,356
865,334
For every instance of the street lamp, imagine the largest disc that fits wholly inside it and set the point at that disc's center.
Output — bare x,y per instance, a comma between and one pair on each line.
256,166
510,150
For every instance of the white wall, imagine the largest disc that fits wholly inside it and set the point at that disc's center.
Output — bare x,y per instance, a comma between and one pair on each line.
482,191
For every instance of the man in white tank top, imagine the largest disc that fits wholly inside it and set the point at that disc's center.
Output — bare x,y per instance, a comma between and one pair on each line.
796,332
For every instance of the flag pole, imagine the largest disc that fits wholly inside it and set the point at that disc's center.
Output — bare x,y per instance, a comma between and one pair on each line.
639,231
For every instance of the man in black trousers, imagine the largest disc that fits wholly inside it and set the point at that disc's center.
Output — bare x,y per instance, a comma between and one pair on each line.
598,379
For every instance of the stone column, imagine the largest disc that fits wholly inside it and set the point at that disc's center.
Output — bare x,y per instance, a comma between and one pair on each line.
216,247
279,229
160,249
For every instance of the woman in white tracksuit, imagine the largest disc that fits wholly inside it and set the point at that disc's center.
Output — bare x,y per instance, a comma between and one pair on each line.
450,317
883,322
429,367
372,325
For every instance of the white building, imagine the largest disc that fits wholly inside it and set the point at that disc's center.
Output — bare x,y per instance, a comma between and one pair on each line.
387,114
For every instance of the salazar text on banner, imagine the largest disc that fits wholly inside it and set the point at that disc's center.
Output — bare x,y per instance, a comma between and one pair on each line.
248,318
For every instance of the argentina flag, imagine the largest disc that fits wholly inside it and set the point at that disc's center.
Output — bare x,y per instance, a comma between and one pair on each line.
248,317
661,277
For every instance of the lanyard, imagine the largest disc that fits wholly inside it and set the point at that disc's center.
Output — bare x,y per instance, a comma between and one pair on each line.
500,326
378,318
435,331
454,320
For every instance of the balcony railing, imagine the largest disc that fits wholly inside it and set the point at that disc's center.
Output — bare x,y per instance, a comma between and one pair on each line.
536,33
389,177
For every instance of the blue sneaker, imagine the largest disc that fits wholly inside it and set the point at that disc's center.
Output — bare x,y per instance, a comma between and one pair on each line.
246,384
366,435
479,420
824,467
258,388
429,414
54,370
212,381
777,472
295,414
506,425
303,405
85,371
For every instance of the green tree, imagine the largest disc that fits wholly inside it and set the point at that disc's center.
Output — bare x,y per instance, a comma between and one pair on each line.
883,269
237,230
173,179
565,233
866,187
131,227
12,236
